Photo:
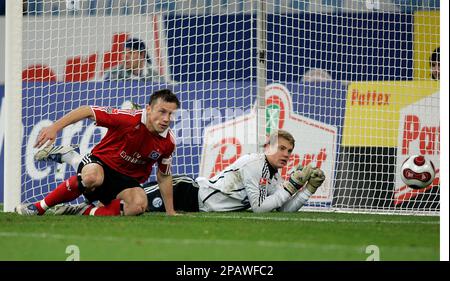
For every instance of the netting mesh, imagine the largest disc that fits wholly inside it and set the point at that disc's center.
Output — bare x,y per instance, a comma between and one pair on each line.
356,82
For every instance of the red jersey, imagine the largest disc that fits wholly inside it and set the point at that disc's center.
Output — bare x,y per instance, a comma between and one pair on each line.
129,147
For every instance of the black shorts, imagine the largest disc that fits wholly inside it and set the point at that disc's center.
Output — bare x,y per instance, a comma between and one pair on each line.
113,182
185,195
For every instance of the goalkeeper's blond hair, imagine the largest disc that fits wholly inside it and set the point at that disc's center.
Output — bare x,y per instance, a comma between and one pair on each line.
280,134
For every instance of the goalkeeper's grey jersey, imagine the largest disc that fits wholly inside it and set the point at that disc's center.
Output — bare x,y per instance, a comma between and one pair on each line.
250,182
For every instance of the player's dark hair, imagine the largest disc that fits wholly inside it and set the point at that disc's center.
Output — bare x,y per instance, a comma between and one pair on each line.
436,55
137,45
165,95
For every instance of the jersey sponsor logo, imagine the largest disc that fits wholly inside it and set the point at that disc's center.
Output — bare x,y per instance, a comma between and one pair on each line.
135,158
154,155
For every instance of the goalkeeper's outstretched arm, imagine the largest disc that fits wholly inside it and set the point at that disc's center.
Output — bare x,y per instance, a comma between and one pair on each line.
260,203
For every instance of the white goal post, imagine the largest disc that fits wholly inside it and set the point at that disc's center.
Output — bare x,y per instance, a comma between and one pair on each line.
13,106
355,82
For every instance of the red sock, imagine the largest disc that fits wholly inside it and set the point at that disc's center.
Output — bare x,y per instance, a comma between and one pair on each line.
112,209
64,192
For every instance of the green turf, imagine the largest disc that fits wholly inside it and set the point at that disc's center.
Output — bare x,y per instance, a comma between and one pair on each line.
220,236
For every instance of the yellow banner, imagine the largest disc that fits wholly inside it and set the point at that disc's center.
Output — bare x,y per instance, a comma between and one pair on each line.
426,39
373,110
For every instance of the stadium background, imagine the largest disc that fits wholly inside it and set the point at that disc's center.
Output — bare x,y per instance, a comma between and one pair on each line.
249,236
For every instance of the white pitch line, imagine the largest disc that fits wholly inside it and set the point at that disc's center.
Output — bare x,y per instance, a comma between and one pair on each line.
312,219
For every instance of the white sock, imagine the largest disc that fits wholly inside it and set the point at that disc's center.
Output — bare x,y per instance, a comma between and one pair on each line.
43,204
72,158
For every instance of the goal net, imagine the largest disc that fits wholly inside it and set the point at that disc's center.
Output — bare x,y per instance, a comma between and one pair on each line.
355,82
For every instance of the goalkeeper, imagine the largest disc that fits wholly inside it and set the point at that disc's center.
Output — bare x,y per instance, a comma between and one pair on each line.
252,182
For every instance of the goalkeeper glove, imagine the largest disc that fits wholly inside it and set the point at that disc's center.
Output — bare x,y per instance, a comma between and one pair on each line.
315,180
297,179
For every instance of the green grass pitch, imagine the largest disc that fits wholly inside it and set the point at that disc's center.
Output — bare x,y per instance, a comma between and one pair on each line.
220,236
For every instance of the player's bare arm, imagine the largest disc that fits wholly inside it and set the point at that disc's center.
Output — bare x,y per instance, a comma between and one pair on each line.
165,185
49,133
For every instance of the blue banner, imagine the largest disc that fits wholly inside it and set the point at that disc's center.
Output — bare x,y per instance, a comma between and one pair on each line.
202,104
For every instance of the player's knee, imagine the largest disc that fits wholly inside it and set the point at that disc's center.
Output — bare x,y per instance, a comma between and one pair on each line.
89,181
91,177
137,203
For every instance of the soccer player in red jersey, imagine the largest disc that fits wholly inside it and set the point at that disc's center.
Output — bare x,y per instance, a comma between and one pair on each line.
120,162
